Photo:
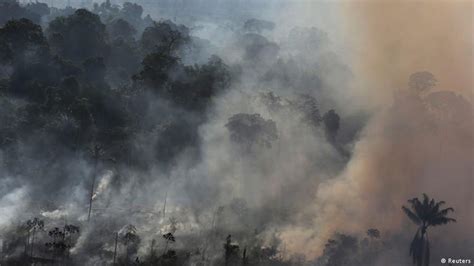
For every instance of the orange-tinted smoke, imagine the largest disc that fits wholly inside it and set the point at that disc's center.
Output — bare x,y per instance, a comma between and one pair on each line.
394,38
406,149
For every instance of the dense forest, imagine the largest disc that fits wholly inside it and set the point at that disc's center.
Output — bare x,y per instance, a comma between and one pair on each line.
127,138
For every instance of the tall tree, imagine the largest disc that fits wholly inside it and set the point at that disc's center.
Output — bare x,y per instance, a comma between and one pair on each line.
252,130
22,41
231,251
96,153
425,213
164,37
79,36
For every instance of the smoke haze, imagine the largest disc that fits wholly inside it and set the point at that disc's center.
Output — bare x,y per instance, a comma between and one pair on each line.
283,131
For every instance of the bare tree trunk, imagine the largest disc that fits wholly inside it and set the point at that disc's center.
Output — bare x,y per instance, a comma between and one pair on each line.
425,260
126,253
151,249
91,195
27,242
32,243
164,205
244,257
166,248
115,248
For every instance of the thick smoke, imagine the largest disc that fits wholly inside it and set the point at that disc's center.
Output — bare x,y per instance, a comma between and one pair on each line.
280,123
413,143
398,38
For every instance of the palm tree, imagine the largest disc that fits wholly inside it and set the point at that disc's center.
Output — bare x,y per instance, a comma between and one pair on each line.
425,213
96,153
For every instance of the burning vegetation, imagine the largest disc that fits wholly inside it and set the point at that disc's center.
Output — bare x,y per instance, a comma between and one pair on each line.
209,133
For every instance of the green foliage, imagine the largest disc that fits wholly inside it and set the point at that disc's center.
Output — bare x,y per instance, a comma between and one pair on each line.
308,107
22,41
79,36
76,81
156,68
251,131
121,29
164,37
198,85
